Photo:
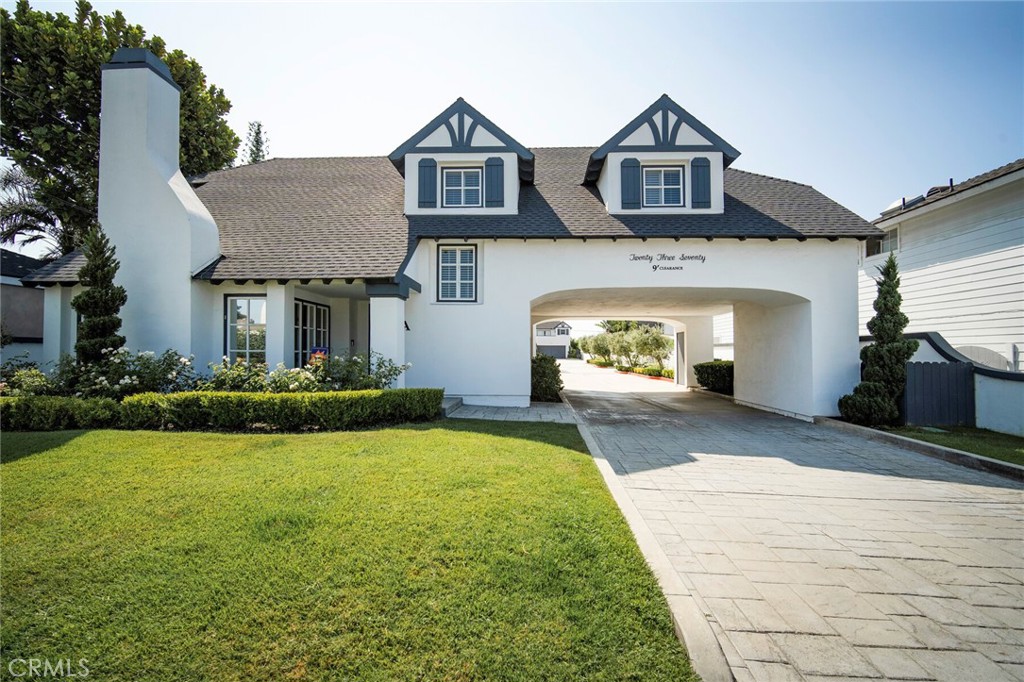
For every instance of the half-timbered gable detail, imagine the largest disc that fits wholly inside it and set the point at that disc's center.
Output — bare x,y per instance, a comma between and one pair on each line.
461,163
664,161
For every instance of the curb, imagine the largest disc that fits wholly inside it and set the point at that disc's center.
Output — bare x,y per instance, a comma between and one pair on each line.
691,625
951,455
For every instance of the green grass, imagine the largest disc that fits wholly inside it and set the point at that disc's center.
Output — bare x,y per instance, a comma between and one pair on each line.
979,441
448,551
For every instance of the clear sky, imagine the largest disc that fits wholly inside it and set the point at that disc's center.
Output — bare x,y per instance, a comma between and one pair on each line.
865,101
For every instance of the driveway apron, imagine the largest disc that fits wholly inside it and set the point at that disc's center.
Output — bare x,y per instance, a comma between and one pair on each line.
815,554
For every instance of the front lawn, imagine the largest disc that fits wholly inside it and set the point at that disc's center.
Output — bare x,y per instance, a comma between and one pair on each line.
450,551
979,441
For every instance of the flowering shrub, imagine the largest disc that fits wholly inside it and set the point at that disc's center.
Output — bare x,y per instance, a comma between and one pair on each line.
120,373
337,373
237,376
292,380
355,372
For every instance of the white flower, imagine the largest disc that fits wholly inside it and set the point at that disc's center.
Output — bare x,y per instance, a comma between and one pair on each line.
172,375
293,387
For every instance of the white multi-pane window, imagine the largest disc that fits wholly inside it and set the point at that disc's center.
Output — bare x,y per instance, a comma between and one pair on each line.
887,244
562,331
312,330
663,186
462,187
456,273
246,335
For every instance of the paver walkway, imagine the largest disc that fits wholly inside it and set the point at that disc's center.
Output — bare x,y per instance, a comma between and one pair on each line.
536,412
813,553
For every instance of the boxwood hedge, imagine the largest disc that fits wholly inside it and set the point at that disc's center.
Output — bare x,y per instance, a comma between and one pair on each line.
225,411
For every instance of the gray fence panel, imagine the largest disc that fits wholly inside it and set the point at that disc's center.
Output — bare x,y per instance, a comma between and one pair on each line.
939,394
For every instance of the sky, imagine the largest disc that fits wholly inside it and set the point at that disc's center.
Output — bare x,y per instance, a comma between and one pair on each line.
867,102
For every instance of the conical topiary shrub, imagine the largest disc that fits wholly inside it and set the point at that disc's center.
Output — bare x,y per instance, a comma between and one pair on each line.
100,304
875,401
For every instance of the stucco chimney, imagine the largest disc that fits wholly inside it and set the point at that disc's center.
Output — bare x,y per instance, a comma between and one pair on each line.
162,232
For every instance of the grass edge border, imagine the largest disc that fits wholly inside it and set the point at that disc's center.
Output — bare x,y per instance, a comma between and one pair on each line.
953,456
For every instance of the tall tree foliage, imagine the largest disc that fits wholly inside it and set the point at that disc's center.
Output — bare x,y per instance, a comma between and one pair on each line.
23,216
50,106
257,145
875,401
612,326
100,304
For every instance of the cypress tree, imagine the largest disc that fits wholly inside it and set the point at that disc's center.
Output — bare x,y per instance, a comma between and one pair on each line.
101,301
875,401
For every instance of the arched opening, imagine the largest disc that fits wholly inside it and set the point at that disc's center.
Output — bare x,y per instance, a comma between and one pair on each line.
773,333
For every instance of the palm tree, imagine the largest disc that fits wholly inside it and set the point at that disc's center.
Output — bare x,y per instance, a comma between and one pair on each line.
23,218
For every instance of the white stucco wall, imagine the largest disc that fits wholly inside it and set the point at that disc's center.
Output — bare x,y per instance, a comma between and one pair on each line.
610,182
999,404
481,351
162,232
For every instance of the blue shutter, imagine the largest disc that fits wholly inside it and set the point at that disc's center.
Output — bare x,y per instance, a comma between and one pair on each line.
701,179
631,184
428,183
494,182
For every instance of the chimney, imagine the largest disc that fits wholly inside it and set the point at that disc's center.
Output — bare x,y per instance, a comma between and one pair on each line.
162,232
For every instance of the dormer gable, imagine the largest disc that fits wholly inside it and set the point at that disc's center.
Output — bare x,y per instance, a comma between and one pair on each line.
663,161
462,164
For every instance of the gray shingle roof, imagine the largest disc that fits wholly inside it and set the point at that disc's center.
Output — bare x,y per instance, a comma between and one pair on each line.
343,217
970,183
64,270
308,218
551,325
557,205
14,264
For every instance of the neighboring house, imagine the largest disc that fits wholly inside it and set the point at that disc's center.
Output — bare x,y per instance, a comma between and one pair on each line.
21,307
448,251
960,249
552,338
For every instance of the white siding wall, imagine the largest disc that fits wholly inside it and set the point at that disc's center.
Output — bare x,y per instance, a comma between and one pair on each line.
962,271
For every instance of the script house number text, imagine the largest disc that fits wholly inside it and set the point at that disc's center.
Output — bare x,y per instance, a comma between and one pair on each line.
667,261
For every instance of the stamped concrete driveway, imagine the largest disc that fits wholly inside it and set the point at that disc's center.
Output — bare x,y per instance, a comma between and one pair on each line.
815,554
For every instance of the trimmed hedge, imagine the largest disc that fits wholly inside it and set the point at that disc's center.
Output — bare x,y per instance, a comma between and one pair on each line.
55,413
227,411
715,376
602,363
648,371
668,373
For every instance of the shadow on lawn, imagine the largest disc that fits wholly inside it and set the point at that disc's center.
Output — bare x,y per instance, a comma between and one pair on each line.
15,445
560,435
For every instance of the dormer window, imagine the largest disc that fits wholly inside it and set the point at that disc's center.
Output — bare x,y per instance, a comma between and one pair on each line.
663,186
462,187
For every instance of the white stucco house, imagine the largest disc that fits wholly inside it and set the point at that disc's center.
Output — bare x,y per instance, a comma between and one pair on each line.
448,251
552,338
960,249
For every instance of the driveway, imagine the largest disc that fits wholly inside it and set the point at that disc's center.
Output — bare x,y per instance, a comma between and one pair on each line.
812,553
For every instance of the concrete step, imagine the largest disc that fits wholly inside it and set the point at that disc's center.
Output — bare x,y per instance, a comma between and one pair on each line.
449,405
